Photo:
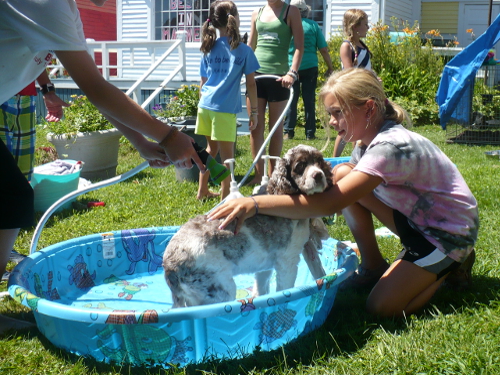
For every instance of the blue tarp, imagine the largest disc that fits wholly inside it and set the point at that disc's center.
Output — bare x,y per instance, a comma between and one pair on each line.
459,72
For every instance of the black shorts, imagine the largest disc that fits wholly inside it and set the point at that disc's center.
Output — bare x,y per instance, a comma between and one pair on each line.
17,199
271,90
418,250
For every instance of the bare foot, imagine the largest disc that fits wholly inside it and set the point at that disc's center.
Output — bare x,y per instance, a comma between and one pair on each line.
7,324
208,195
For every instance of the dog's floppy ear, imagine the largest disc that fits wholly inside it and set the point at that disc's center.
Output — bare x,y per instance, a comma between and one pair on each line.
326,167
279,183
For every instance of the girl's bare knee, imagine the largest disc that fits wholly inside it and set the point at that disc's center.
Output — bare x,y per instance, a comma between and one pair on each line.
383,307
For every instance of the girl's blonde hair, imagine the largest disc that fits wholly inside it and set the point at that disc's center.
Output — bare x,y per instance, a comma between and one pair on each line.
352,18
355,86
222,15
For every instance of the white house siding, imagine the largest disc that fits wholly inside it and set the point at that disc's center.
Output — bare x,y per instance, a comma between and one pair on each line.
135,21
245,9
337,9
475,16
400,9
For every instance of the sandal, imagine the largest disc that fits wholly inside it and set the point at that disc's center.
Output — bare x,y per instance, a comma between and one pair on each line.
461,278
364,278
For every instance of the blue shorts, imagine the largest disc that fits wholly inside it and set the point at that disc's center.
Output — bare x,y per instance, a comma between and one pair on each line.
418,250
219,126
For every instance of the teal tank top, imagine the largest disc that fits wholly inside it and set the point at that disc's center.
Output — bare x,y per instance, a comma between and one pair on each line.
273,41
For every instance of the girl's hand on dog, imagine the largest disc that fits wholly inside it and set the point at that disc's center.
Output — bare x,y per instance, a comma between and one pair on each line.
235,209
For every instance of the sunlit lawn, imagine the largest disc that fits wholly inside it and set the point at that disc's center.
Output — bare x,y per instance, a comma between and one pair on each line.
457,334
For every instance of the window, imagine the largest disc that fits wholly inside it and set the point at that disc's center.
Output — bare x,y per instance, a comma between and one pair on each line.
317,11
174,15
189,15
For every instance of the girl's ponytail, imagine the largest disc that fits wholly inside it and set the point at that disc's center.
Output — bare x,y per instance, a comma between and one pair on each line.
222,14
395,112
233,31
208,36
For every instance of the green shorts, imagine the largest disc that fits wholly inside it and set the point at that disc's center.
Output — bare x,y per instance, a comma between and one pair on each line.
219,126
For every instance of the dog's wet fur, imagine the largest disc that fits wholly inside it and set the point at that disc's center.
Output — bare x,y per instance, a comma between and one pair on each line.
201,260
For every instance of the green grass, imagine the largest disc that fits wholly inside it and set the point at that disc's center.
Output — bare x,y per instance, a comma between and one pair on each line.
457,333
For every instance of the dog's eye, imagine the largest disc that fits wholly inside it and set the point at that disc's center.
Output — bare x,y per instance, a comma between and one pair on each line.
300,167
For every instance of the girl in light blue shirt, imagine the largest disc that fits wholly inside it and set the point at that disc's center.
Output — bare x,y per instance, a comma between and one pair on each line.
225,60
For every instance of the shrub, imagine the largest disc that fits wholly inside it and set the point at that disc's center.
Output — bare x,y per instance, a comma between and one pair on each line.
409,68
183,103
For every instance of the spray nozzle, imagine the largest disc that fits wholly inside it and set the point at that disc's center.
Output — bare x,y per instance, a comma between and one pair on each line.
234,191
218,172
265,178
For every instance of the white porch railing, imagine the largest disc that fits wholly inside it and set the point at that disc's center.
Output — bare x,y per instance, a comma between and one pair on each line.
132,63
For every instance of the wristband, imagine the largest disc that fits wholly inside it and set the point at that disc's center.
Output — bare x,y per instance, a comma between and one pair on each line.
165,140
293,75
294,72
256,206
47,88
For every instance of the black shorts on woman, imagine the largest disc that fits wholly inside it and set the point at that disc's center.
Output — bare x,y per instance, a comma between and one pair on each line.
271,90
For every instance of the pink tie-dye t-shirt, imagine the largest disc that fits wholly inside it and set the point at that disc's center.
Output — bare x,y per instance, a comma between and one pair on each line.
421,182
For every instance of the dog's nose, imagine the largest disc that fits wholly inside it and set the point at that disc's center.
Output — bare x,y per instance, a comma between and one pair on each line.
318,176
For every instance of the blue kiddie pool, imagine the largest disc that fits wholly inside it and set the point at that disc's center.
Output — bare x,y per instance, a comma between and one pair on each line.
104,296
339,160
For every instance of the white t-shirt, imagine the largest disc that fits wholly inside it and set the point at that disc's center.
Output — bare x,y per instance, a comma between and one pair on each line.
30,30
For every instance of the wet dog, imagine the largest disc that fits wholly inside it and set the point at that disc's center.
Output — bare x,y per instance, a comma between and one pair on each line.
201,260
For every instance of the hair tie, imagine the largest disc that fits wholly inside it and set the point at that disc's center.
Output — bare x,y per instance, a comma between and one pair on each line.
386,101
208,20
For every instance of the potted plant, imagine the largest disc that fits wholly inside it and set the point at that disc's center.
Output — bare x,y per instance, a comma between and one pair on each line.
84,134
181,107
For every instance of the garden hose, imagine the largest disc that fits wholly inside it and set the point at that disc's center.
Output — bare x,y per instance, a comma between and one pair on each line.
76,193
267,140
218,174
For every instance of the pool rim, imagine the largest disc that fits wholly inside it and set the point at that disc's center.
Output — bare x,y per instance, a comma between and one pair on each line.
346,264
